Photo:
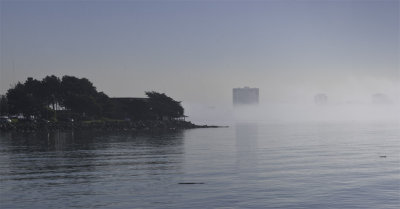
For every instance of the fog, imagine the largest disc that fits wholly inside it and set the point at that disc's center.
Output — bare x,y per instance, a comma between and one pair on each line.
285,112
352,107
198,51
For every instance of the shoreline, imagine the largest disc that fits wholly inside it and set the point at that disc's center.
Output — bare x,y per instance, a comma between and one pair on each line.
148,125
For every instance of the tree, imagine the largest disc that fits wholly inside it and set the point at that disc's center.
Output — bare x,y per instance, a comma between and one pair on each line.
79,95
26,98
51,90
3,105
74,85
35,97
82,104
162,105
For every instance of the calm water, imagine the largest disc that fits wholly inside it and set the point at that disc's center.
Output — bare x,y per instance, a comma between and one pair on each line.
249,165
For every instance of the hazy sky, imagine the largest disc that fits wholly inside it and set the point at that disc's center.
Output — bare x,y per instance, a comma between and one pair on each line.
197,51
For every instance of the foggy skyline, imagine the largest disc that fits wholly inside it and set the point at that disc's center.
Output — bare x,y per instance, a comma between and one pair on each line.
198,51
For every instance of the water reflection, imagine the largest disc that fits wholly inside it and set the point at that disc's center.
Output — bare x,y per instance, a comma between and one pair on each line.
89,163
246,166
246,146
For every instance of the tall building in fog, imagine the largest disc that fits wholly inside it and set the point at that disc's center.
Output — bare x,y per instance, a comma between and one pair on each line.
245,96
380,98
321,99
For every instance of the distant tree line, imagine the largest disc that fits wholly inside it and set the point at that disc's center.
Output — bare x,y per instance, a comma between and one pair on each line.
53,98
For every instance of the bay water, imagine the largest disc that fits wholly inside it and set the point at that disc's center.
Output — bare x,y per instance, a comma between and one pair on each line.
246,165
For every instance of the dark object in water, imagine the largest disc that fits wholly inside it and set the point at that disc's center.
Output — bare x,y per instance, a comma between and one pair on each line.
382,156
191,183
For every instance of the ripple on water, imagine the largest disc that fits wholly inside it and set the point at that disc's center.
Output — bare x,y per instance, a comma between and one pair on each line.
245,166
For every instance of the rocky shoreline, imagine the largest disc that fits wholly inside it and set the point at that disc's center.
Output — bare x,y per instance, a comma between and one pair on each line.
149,125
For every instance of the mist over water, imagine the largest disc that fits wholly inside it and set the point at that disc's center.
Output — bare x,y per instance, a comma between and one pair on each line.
289,99
248,165
294,112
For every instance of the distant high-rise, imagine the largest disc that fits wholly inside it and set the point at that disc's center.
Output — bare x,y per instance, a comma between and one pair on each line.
321,99
245,96
380,98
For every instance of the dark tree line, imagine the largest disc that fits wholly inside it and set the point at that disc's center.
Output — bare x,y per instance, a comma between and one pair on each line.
3,105
42,98
162,105
52,97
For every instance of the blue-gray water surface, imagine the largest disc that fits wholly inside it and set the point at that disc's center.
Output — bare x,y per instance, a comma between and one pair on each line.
248,165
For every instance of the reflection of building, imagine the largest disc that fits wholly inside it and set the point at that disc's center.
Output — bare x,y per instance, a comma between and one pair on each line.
321,99
380,99
246,147
245,96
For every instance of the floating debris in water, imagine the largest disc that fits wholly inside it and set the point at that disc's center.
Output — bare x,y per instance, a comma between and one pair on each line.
382,156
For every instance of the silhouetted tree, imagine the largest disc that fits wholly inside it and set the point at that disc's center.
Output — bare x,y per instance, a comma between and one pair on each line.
3,105
21,100
83,104
51,90
162,105
79,95
26,98
35,97
79,86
